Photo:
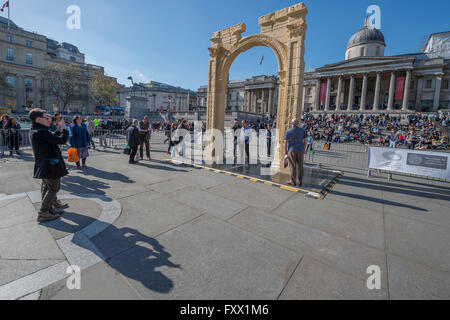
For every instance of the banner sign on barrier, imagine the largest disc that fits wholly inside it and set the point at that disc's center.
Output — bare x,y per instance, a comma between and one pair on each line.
424,163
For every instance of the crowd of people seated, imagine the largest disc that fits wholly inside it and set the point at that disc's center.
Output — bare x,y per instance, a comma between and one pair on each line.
415,131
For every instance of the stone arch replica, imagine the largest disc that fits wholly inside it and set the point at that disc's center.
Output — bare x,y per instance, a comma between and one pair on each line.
284,32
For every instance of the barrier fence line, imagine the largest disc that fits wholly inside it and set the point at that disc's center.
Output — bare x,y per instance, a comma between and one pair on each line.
354,155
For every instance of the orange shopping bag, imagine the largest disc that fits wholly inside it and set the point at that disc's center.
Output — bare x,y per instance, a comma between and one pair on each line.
73,155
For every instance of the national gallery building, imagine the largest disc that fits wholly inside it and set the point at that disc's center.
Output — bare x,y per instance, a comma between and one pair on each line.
366,81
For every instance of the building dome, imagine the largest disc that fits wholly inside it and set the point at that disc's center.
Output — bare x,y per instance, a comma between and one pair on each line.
366,35
367,42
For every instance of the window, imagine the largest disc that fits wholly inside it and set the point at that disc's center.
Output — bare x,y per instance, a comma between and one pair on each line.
10,39
378,52
308,92
10,103
10,80
29,58
29,84
29,43
445,84
429,83
73,59
9,54
411,86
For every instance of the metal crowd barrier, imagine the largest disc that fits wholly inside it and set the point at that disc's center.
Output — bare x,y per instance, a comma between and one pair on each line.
117,139
14,139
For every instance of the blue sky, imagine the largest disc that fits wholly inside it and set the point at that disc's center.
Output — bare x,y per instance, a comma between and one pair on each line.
167,41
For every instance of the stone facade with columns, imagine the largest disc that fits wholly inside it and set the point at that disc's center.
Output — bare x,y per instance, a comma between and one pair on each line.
257,95
367,81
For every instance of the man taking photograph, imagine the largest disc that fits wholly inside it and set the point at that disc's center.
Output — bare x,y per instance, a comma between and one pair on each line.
49,164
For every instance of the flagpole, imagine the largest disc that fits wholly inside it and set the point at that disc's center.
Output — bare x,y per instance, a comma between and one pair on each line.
9,8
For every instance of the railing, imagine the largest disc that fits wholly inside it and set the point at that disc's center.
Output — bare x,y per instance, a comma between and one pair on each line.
13,140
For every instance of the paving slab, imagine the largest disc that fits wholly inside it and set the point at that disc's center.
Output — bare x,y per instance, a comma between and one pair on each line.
12,270
143,215
314,280
34,282
423,208
170,186
343,254
418,241
336,218
16,211
35,241
412,281
202,179
207,259
99,282
253,194
210,203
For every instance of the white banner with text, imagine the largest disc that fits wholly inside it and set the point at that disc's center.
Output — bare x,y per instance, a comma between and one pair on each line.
423,163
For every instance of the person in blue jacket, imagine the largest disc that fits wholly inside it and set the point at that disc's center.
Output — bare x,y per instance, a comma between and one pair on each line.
80,140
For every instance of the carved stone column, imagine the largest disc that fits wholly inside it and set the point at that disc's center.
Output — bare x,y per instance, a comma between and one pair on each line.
351,93
339,94
391,92
327,99
376,98
437,91
263,105
252,97
406,91
270,101
317,101
364,92
419,93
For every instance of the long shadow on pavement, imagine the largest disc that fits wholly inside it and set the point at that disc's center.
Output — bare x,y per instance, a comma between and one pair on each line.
113,176
393,189
139,262
80,185
377,200
408,185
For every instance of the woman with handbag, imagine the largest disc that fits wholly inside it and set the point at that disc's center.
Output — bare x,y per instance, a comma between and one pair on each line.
80,140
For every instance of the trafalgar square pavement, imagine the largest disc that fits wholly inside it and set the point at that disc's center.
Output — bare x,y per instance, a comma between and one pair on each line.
158,230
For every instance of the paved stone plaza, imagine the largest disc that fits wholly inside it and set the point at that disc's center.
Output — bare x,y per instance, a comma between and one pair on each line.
162,231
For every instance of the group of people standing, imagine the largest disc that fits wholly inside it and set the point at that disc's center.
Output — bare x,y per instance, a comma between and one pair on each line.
138,136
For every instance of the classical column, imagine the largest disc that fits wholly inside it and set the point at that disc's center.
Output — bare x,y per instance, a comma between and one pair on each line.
364,93
437,91
339,94
391,92
252,97
270,101
351,93
376,98
327,99
303,98
406,91
263,106
419,93
20,91
318,88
